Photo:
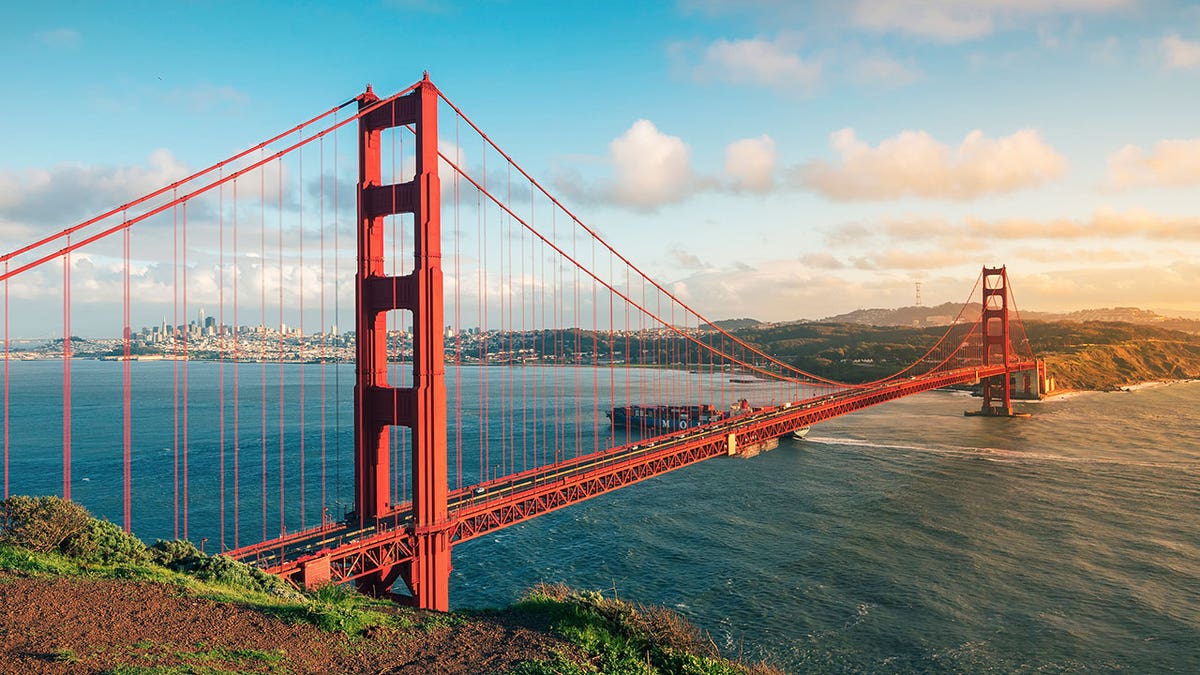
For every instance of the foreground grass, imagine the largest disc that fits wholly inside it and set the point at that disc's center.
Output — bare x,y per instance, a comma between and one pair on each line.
331,608
49,537
622,638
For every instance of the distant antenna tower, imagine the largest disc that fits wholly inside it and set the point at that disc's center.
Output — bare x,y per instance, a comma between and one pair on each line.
918,284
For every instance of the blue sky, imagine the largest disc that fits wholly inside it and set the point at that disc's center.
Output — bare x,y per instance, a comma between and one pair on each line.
774,159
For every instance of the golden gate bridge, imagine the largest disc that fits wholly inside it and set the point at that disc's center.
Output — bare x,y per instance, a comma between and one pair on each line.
462,260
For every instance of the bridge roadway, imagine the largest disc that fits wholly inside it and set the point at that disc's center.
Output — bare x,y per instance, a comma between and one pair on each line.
345,551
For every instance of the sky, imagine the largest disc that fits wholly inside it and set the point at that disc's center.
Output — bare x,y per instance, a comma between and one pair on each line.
772,159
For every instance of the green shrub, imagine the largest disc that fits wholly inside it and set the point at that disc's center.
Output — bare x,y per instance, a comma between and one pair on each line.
183,556
174,554
52,524
224,570
41,524
103,542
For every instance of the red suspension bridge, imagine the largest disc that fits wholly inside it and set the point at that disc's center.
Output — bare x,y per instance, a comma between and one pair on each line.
494,336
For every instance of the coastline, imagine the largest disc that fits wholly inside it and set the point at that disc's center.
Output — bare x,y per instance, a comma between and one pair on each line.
1064,394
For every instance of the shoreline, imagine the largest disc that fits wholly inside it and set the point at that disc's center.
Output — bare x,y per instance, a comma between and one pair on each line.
1064,394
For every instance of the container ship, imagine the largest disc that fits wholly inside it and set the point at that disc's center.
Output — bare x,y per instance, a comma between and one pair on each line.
665,417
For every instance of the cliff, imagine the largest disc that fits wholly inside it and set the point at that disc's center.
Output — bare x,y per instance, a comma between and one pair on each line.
1107,367
1109,355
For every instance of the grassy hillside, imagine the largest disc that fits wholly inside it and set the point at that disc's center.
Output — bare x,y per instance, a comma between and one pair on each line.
1087,355
1109,355
78,595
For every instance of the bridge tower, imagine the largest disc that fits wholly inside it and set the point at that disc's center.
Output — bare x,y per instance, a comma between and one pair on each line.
997,390
378,405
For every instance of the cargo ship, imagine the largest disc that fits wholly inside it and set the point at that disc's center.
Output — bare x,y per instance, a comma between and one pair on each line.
666,417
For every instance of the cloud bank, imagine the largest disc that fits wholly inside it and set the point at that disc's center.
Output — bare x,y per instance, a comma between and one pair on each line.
1180,54
650,169
914,164
1170,162
775,63
962,20
35,196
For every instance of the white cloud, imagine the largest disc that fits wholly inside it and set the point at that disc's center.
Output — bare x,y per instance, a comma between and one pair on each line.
750,164
650,168
913,163
1171,162
59,38
1104,225
1179,53
35,196
962,20
758,61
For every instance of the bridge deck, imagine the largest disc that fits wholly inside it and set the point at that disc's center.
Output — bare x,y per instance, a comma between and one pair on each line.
351,551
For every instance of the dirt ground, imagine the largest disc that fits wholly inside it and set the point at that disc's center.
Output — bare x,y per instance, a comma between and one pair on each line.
66,625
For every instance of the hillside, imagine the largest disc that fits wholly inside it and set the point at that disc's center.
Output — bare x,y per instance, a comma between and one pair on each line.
732,324
78,595
1110,355
1080,355
940,315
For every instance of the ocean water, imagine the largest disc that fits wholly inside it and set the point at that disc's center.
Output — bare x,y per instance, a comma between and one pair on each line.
903,538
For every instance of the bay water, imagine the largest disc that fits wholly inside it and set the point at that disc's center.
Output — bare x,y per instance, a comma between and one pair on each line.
902,538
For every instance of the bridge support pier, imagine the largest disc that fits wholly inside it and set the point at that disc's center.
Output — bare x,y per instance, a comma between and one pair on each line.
429,574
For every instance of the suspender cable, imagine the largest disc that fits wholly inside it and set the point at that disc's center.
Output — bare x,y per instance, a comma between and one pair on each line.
6,383
524,374
66,357
337,366
505,291
236,382
126,440
324,341
485,376
221,352
175,353
186,338
282,327
479,295
458,417
262,334
300,319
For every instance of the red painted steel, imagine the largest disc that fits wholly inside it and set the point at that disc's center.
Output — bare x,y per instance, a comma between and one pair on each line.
349,552
997,390
422,407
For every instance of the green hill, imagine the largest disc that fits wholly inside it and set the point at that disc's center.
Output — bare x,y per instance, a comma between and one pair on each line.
1080,355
